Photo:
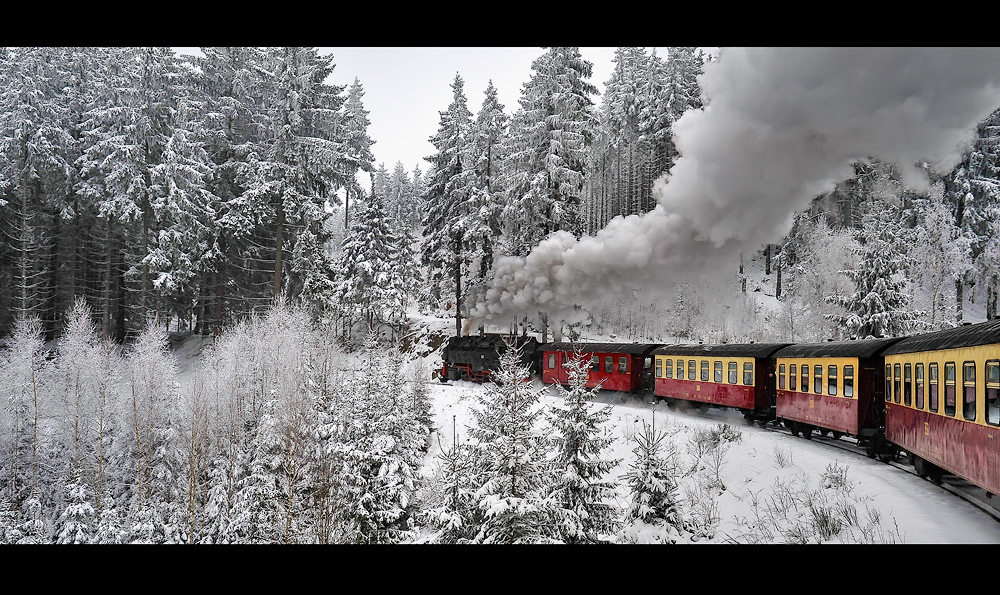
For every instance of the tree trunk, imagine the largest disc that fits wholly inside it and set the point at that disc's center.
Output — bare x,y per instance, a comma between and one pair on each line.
278,249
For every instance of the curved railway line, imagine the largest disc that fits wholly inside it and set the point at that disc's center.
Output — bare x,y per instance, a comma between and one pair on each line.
952,484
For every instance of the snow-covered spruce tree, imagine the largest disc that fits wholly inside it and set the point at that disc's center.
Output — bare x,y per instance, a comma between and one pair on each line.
547,151
579,439
456,516
879,305
357,154
374,277
652,481
377,481
512,459
445,249
78,518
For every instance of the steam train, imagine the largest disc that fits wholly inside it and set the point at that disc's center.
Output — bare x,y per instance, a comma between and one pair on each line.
892,395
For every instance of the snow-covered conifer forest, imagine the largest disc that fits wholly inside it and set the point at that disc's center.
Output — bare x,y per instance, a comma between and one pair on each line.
154,207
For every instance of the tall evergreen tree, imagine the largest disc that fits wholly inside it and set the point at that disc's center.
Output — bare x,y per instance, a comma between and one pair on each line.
580,439
514,471
445,249
879,305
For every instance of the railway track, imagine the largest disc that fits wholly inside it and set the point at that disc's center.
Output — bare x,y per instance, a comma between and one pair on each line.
953,484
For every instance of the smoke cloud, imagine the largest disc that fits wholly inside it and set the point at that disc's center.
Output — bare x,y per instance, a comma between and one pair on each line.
781,127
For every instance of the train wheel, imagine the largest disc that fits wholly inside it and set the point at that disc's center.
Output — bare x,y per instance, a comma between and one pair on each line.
672,404
793,426
762,423
824,432
870,449
807,432
748,417
837,435
919,465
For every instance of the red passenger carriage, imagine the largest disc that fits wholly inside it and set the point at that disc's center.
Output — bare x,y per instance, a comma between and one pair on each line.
621,366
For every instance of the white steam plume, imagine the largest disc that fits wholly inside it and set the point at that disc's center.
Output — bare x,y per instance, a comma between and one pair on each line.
782,126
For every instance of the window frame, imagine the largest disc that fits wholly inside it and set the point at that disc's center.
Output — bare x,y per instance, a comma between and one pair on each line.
897,381
609,364
793,377
704,370
919,391
733,370
969,404
908,384
818,379
658,367
781,377
849,375
804,376
992,385
831,380
717,371
950,411
680,369
748,373
552,361
623,364
933,387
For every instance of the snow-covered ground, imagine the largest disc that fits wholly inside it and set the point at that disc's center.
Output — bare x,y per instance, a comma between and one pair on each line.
765,486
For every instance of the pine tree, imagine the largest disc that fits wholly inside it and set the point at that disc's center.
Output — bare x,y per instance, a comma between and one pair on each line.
879,305
375,273
549,138
579,441
445,250
78,518
652,480
511,457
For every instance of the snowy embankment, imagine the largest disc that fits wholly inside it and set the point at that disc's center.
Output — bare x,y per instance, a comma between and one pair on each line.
756,485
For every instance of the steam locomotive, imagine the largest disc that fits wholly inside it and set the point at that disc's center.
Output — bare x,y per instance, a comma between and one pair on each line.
892,395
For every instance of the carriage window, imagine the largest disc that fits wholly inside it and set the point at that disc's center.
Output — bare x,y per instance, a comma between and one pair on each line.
897,383
668,368
692,370
848,381
932,389
734,373
781,376
969,390
831,380
805,378
704,370
993,392
659,368
907,385
792,378
609,364
622,365
818,379
717,369
888,383
680,369
920,386
949,388
552,361
748,373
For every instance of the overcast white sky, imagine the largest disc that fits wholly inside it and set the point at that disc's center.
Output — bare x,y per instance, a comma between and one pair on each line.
406,88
